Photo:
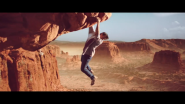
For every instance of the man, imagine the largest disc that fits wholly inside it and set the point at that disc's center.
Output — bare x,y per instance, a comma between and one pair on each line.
95,38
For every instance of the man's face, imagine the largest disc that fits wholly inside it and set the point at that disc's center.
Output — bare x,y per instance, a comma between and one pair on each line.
102,36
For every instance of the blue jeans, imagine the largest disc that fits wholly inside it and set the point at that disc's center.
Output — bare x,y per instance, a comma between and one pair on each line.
85,68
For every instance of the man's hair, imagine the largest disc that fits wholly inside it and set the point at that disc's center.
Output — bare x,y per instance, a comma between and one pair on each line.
105,34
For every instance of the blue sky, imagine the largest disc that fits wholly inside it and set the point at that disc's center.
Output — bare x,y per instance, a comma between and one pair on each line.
135,26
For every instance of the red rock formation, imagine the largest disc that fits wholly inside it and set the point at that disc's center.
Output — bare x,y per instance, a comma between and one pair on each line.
21,34
179,42
168,57
57,51
107,51
64,55
62,52
23,70
32,31
55,48
169,43
165,44
75,58
133,46
72,63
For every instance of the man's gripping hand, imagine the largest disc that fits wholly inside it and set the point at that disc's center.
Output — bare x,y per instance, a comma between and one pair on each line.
98,19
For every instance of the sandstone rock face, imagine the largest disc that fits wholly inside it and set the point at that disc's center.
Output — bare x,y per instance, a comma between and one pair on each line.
75,58
64,54
55,49
32,31
179,42
168,57
133,46
23,70
72,63
165,44
107,51
170,43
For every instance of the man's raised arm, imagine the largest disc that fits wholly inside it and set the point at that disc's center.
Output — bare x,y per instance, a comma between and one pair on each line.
91,29
97,33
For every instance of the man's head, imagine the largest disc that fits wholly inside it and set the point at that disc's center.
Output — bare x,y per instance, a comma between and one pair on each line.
104,36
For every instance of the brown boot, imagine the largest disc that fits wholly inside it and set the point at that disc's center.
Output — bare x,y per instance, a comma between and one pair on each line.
92,81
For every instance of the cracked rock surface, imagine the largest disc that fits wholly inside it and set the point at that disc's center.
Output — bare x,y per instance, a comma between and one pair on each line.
22,35
32,31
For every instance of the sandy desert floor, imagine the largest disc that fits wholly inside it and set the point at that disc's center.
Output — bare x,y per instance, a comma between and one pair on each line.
130,75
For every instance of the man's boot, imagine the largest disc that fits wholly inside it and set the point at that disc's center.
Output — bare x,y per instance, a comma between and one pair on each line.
92,81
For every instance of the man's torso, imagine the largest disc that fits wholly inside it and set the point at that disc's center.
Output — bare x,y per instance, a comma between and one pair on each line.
91,44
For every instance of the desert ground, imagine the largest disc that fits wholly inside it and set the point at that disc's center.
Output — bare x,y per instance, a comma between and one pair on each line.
133,73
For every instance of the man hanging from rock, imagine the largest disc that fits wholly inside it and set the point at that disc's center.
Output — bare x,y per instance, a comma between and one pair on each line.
95,38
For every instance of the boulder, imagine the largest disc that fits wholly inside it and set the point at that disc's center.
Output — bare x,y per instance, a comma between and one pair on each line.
32,31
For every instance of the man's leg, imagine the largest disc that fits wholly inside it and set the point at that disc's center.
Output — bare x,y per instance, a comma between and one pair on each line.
89,68
85,60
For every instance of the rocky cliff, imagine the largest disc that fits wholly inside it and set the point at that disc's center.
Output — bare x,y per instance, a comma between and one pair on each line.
23,70
165,44
32,31
55,48
22,66
133,46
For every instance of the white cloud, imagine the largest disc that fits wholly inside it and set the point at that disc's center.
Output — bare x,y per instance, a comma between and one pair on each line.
177,28
175,23
164,14
174,32
165,29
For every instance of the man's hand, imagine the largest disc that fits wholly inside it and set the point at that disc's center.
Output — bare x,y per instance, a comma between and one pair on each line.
98,19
